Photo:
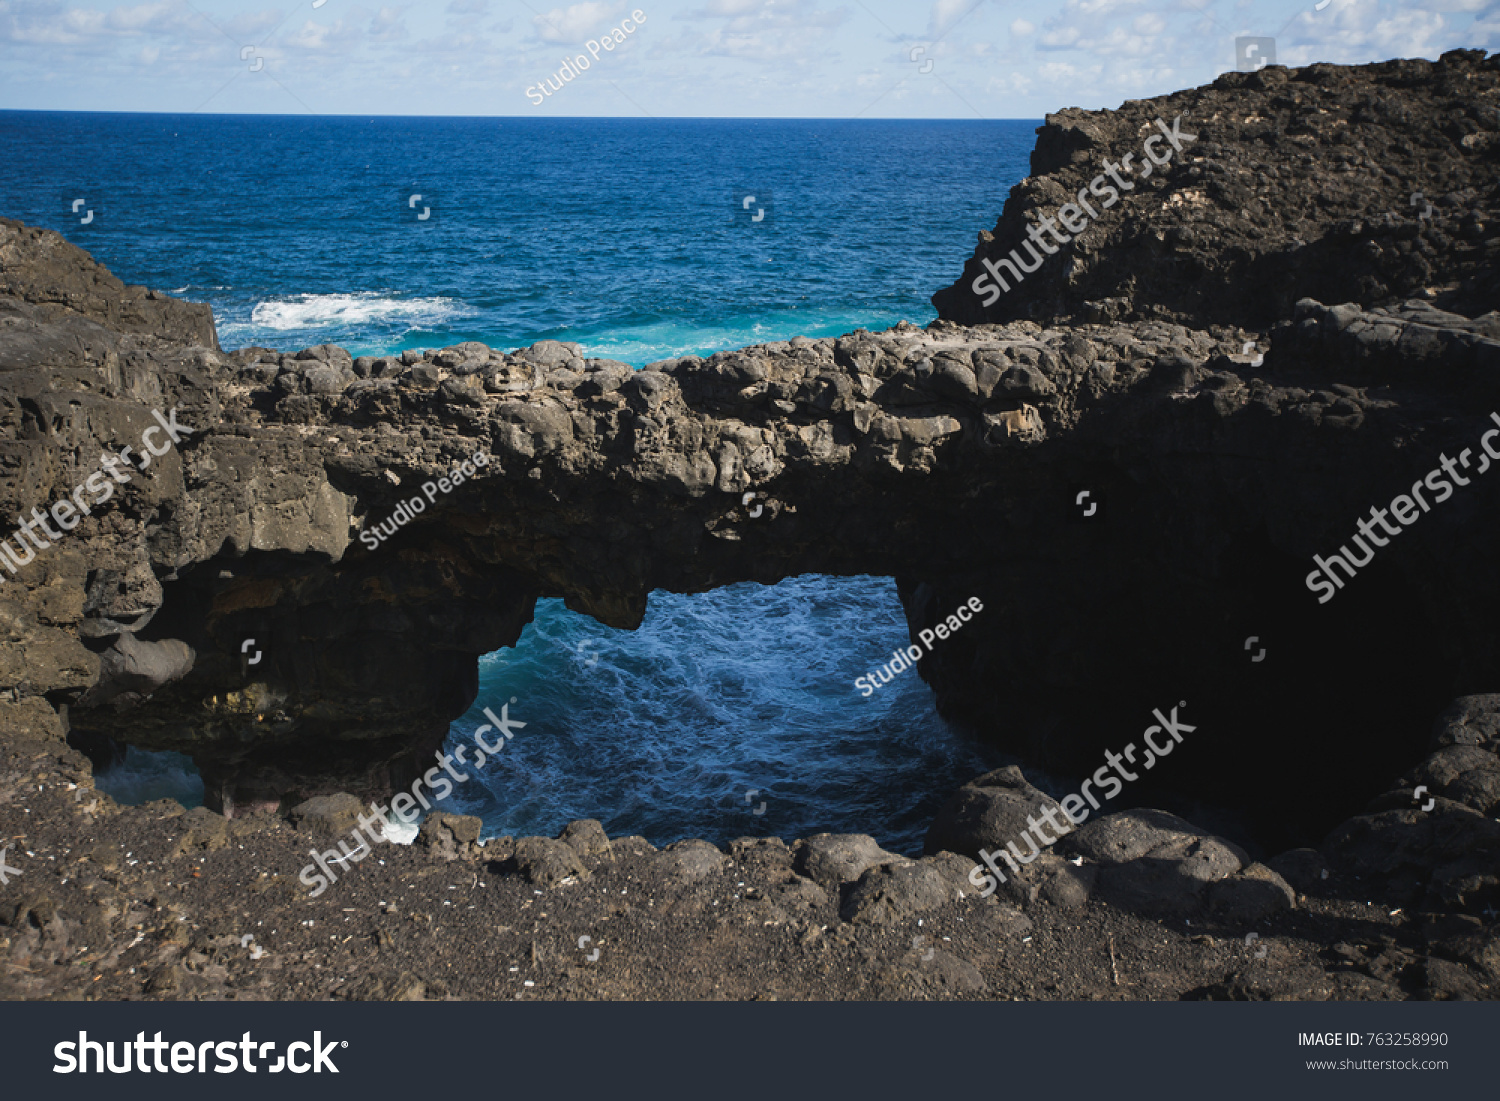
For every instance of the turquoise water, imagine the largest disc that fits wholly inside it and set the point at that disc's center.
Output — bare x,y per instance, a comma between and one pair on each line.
625,235
631,237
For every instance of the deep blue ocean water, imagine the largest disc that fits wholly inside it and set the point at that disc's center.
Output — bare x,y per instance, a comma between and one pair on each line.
632,237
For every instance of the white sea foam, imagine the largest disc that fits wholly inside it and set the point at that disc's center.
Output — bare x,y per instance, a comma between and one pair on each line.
316,311
400,833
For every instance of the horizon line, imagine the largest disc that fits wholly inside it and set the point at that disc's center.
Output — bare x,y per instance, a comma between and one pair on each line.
637,118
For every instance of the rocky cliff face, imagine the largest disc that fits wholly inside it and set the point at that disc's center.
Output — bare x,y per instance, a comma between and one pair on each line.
1134,501
1133,460
1298,183
45,280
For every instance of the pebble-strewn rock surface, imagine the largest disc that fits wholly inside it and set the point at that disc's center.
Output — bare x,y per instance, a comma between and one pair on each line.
148,902
1135,494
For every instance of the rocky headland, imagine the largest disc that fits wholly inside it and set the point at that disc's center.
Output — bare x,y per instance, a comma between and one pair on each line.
1131,459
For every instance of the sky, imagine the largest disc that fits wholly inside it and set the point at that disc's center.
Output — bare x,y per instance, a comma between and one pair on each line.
960,59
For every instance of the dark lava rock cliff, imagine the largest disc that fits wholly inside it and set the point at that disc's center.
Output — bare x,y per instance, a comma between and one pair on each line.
1134,501
1299,183
1134,459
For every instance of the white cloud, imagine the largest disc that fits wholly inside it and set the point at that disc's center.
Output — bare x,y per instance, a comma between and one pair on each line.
1003,86
1486,29
43,22
720,8
780,32
1098,9
577,23
791,57
946,13
1062,72
1407,34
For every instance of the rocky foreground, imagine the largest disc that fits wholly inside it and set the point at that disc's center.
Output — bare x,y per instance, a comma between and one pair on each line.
151,902
148,901
1223,448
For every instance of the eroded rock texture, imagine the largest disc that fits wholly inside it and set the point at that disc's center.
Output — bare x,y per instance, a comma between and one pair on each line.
1134,501
1301,182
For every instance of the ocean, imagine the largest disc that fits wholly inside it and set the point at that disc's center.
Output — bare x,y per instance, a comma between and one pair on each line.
729,713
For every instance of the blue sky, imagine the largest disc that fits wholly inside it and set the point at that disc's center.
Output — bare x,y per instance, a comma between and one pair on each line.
756,58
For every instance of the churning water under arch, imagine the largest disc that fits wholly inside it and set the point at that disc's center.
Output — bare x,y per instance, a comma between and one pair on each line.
721,705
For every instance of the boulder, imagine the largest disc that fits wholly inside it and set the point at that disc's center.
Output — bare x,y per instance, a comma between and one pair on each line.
832,860
1251,895
1306,870
451,836
1154,862
546,862
687,861
328,815
896,891
550,353
586,837
202,830
990,812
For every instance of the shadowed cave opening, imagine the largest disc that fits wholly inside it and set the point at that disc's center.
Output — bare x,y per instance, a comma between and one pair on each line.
665,731
1341,703
742,699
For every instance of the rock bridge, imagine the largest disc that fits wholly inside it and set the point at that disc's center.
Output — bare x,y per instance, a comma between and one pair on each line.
952,459
1216,461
